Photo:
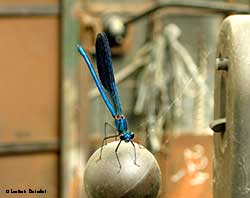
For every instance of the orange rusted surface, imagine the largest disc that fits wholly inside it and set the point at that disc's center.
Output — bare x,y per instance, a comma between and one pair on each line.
26,172
187,167
29,101
29,78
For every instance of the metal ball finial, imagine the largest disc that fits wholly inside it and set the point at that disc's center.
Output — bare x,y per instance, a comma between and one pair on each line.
104,177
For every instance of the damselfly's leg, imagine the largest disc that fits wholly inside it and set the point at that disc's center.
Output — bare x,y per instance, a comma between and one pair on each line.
113,136
117,154
134,152
105,130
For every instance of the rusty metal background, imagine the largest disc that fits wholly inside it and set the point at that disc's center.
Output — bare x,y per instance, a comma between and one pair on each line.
29,83
29,79
232,162
177,179
26,172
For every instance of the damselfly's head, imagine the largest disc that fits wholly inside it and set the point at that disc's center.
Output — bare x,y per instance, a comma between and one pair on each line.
127,136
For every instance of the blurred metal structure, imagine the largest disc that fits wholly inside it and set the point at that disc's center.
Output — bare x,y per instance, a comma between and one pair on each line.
72,138
231,110
216,7
95,15
29,10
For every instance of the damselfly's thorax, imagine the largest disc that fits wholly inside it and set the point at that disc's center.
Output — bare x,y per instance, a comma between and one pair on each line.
121,123
122,128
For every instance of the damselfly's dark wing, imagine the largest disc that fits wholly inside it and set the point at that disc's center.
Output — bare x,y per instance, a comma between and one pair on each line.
105,70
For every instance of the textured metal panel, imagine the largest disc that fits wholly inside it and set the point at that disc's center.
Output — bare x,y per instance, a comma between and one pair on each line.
25,2
29,79
179,171
232,93
26,172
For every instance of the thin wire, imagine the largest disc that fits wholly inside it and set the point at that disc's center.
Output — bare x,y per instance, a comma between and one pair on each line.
168,108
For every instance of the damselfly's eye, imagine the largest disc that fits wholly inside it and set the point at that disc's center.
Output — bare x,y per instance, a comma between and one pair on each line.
118,117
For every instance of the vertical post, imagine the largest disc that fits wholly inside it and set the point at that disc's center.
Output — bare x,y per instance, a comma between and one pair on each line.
71,172
232,93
